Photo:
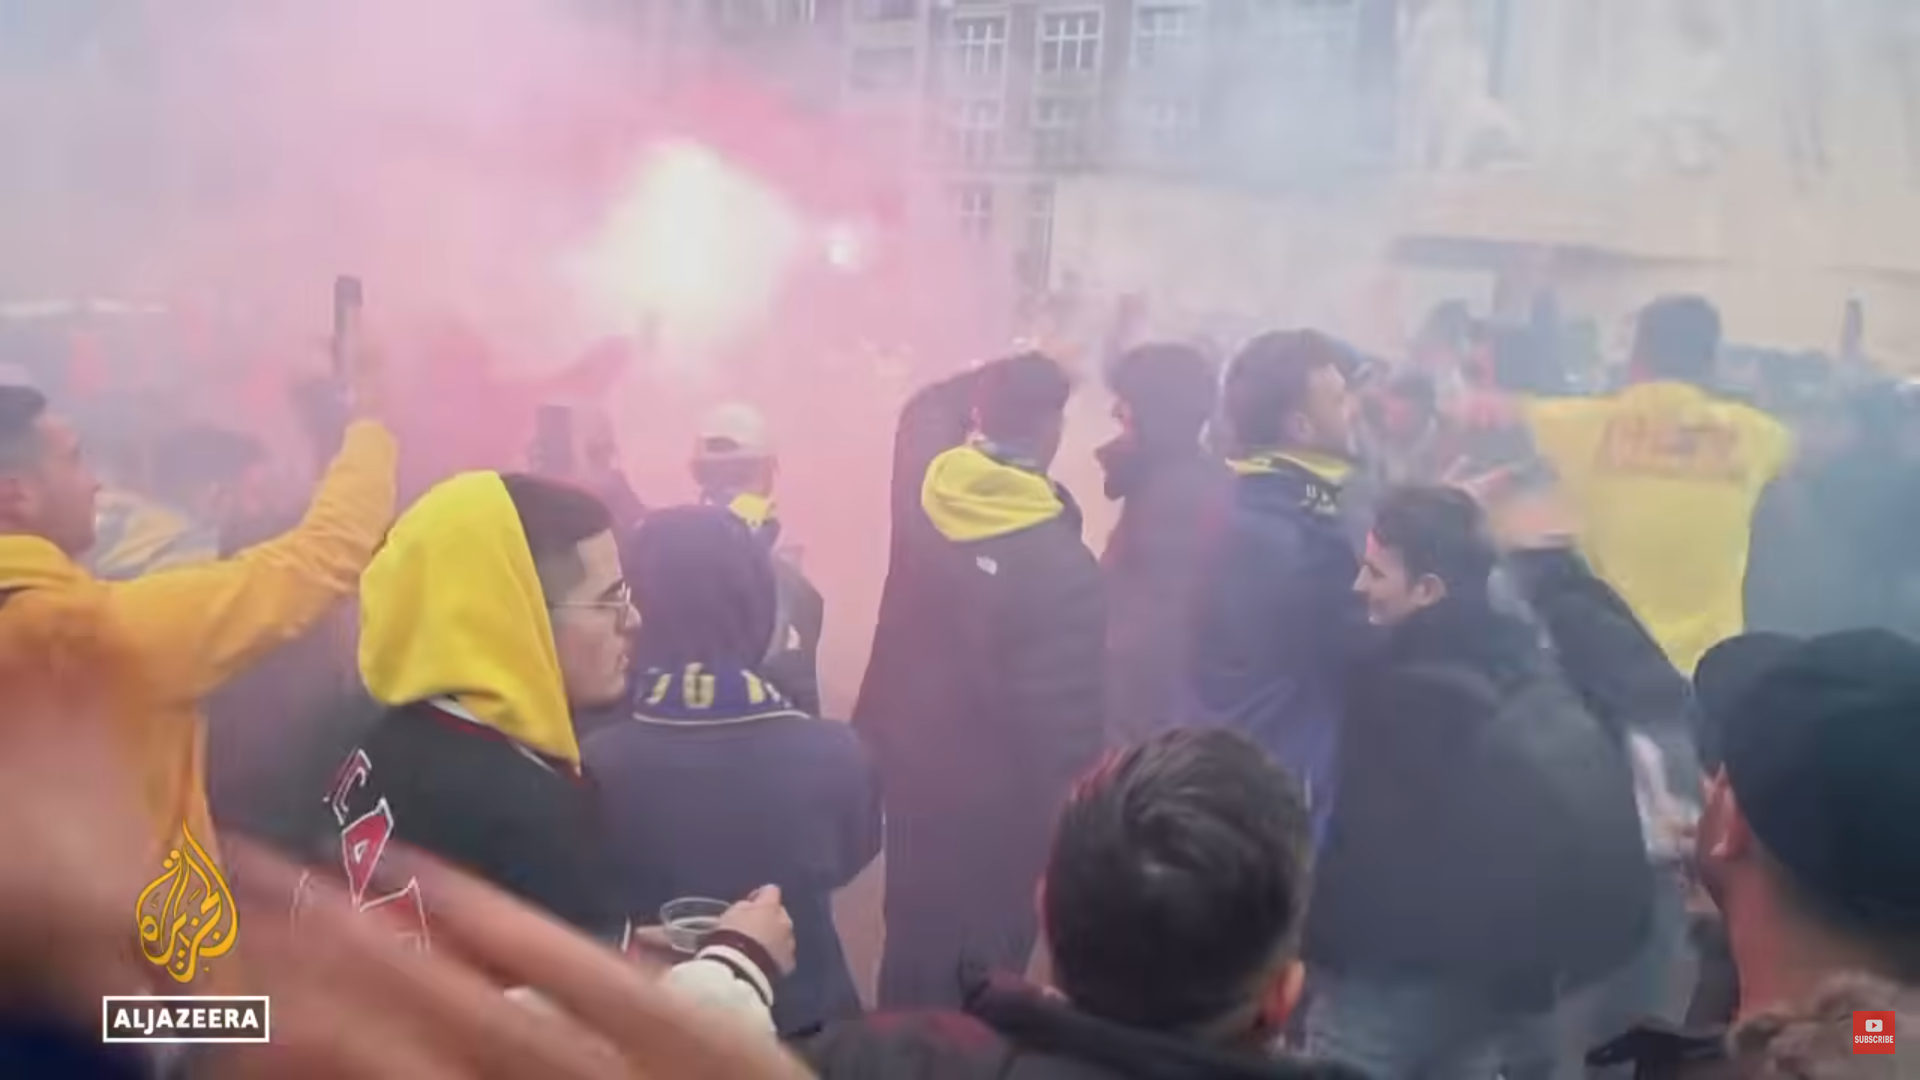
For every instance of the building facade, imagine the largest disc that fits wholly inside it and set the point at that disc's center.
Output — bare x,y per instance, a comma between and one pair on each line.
989,104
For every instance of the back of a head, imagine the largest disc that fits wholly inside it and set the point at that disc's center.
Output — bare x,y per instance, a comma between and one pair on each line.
1170,390
556,517
704,585
1018,401
1440,531
1823,757
733,451
1178,881
1678,338
1270,379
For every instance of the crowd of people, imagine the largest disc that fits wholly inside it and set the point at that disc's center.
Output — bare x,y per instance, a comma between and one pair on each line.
1417,721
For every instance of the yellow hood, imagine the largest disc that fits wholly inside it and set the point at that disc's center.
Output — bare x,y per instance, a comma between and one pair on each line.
970,496
452,607
28,562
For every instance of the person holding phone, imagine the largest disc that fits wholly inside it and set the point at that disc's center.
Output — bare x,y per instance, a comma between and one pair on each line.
195,627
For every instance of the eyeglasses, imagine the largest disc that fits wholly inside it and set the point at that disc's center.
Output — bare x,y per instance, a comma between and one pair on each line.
620,602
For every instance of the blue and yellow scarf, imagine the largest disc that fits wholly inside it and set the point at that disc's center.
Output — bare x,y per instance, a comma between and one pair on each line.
1321,476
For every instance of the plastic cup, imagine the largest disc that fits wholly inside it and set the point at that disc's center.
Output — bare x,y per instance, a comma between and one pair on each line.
689,919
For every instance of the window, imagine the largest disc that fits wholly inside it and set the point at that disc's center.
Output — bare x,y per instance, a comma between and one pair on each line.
1070,42
886,10
1037,255
751,14
791,12
1061,129
973,209
880,70
1315,42
1163,36
1167,127
977,44
973,130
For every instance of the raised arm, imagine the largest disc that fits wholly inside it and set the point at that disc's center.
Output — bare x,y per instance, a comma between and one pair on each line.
206,623
935,420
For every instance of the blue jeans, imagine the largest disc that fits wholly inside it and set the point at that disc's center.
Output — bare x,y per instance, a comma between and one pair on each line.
1404,1028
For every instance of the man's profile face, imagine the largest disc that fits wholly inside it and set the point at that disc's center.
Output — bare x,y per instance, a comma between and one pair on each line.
1327,419
590,625
1392,592
53,496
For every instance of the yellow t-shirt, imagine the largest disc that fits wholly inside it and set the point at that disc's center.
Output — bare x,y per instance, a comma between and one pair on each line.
1666,477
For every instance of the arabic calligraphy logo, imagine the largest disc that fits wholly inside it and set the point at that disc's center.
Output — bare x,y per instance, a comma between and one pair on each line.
186,915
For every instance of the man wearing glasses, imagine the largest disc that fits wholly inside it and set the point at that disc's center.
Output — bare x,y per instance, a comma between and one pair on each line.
497,608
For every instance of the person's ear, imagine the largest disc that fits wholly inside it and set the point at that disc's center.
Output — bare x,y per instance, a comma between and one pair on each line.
1298,428
1429,589
17,499
1283,996
1736,836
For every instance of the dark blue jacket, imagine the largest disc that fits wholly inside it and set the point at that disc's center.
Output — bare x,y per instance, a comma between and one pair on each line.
718,801
1276,621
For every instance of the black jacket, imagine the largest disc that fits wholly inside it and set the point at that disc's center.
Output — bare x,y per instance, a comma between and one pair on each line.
1458,830
1421,837
1168,496
983,697
1010,1031
793,660
467,794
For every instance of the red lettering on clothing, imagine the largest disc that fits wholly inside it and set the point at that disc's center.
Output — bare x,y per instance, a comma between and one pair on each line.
353,774
408,911
1656,446
361,845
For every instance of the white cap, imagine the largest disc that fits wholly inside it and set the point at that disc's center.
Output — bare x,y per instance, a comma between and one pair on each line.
733,430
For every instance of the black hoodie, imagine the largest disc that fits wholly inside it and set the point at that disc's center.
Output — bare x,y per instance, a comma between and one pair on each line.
1169,495
1011,1031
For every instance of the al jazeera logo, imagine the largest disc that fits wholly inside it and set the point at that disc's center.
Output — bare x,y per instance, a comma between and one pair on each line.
186,917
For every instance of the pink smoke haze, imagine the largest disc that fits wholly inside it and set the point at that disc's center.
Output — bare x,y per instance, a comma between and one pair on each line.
516,190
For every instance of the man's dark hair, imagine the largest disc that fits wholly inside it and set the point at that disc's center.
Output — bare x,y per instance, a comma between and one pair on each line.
194,457
1179,878
21,408
1678,337
1269,380
1171,389
1019,398
729,474
555,517
1439,531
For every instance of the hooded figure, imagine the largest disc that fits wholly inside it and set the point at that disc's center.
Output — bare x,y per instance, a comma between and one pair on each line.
495,608
1169,487
475,759
716,782
984,698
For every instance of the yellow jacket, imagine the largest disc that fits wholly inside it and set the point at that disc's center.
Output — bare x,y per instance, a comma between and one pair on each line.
195,627
1667,477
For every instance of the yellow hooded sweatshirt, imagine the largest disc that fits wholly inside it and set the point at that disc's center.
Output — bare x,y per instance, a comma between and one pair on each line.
453,608
195,627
